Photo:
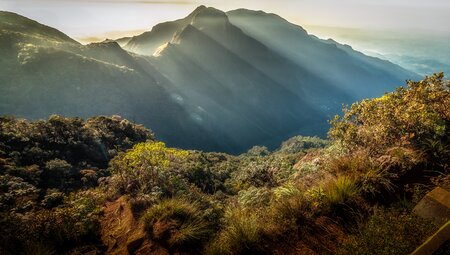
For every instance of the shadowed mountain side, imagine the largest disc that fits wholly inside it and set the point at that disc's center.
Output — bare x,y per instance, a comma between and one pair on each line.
299,81
222,83
340,65
40,76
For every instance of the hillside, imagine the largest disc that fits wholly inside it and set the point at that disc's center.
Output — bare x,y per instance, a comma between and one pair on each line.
44,72
105,185
213,81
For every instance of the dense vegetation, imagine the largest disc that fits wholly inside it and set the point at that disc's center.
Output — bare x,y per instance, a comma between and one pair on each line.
352,194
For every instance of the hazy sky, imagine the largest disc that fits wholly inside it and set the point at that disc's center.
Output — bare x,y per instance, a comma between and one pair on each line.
114,18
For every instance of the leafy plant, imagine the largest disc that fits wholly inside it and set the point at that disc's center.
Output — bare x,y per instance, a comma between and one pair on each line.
149,168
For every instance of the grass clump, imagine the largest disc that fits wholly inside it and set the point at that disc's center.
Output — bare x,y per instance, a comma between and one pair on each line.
177,224
340,190
242,234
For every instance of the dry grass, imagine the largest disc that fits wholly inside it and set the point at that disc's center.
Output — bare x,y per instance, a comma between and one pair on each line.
178,224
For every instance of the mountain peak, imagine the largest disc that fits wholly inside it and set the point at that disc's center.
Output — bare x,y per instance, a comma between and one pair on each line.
211,12
195,12
210,18
199,9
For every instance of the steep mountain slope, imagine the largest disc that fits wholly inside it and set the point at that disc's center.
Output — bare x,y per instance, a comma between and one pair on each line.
352,71
42,75
250,105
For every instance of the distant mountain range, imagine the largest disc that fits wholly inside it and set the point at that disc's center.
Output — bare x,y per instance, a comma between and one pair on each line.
211,81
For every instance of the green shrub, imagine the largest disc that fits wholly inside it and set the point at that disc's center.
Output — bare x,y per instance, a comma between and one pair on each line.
59,229
149,168
257,151
177,224
298,144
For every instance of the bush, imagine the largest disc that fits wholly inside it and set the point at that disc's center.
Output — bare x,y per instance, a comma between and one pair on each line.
298,144
59,229
61,147
56,174
149,168
177,224
416,116
370,176
257,151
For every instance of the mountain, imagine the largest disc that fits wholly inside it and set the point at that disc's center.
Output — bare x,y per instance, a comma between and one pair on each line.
339,64
43,72
212,80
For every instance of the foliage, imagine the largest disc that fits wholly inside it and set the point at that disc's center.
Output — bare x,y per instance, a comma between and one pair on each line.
16,194
208,171
340,190
258,151
149,168
178,224
417,115
242,234
254,197
80,143
57,229
304,198
268,171
63,153
298,144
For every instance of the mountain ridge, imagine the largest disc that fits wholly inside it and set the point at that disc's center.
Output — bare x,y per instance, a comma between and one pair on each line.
208,81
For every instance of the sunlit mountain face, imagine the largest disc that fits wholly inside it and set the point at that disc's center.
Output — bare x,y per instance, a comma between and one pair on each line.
212,80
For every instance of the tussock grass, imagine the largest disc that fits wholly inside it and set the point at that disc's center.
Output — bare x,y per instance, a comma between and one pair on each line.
177,224
340,190
242,234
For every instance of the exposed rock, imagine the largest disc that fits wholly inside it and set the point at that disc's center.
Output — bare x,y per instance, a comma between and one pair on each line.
435,206
123,234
